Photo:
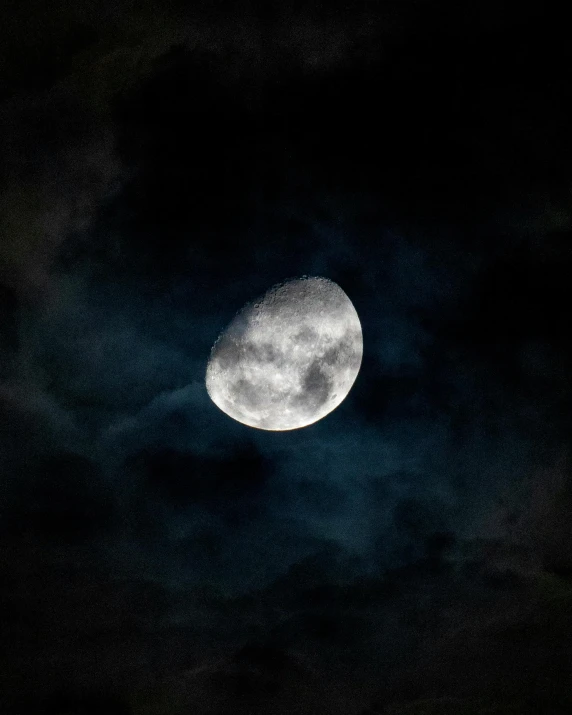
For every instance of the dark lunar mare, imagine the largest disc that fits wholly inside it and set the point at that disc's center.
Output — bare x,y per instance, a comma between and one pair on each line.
317,387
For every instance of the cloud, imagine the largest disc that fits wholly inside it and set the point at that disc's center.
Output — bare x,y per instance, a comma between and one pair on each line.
59,137
62,499
60,165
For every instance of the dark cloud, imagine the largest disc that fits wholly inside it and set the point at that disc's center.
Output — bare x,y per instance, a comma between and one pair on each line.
186,479
65,501
8,327
84,704
59,163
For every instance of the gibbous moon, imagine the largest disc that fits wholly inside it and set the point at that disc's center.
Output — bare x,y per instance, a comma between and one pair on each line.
289,358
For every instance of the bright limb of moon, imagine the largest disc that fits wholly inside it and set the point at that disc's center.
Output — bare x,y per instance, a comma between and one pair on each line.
289,358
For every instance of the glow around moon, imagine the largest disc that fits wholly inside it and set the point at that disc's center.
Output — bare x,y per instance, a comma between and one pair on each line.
289,358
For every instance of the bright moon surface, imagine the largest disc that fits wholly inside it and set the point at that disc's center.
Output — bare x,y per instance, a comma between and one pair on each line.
289,358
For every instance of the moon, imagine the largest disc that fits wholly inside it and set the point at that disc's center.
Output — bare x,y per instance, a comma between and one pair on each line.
288,358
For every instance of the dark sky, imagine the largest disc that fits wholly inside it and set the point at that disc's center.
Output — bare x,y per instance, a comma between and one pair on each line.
163,164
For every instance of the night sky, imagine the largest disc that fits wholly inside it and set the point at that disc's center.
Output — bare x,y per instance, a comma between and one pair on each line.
160,166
